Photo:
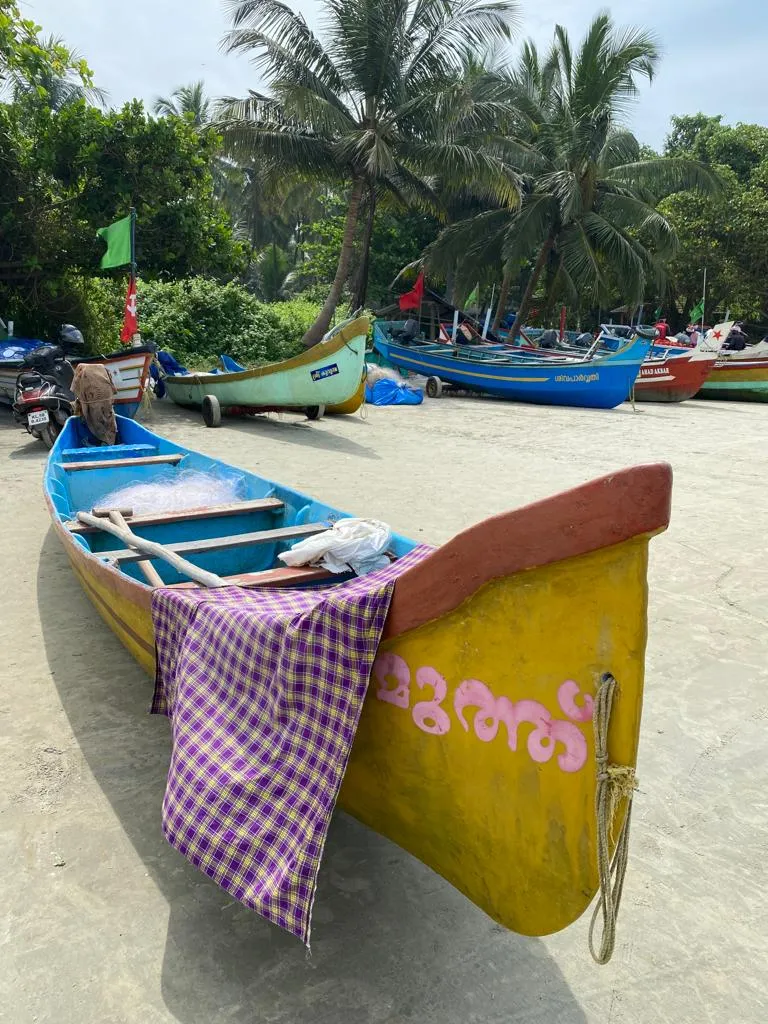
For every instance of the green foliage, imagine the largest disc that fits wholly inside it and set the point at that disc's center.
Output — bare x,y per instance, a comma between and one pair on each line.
398,238
361,106
77,169
588,213
727,234
198,319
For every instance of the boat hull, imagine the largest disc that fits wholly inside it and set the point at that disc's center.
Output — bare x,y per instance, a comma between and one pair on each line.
599,384
130,373
518,616
744,380
328,374
672,380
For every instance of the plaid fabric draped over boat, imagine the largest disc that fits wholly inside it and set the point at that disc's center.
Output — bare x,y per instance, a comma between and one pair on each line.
264,689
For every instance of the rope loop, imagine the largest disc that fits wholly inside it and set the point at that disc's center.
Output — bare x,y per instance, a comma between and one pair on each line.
614,784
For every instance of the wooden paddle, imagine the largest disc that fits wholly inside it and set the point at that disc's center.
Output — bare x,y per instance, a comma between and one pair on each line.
113,521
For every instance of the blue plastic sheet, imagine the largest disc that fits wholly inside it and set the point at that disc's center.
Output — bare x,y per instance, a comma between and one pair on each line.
390,392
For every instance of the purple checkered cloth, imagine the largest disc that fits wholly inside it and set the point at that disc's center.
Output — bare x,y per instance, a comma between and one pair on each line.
264,689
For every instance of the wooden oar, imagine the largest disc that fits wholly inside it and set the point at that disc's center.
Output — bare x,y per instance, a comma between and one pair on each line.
117,526
151,575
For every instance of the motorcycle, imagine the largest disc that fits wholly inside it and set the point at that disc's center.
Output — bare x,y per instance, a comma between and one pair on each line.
44,396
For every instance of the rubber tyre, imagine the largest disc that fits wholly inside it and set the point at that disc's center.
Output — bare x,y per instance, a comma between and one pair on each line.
315,412
211,411
434,387
51,432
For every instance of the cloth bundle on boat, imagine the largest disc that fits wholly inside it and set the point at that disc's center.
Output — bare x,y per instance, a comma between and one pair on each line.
357,544
95,393
391,392
264,690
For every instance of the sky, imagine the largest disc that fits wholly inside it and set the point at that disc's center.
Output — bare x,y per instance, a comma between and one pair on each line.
714,53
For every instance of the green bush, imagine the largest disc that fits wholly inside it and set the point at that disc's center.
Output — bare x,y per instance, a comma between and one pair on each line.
198,320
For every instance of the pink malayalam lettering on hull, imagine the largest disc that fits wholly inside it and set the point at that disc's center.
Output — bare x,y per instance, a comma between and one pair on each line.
491,712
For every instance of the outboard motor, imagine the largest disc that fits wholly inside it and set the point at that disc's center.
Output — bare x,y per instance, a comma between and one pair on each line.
585,340
407,332
549,339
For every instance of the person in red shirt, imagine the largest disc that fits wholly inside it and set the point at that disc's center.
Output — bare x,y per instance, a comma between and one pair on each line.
663,328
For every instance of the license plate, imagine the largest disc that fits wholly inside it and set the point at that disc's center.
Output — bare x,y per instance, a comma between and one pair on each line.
36,419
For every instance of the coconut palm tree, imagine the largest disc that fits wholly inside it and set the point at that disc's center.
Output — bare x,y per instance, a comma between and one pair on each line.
63,83
186,101
588,217
358,107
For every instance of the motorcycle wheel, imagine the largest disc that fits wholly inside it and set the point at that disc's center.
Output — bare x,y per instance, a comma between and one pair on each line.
49,433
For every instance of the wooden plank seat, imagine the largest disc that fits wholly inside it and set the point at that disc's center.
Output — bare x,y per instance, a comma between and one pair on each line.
102,452
190,515
236,540
269,578
148,460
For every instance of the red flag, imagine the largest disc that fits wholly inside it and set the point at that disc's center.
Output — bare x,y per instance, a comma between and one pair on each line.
414,298
131,319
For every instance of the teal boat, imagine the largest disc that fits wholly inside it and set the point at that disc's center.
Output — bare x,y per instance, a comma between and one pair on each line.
329,374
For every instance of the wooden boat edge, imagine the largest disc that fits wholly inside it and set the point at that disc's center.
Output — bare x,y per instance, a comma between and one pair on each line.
602,513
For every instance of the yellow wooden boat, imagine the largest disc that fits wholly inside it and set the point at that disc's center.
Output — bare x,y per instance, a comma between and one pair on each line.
480,747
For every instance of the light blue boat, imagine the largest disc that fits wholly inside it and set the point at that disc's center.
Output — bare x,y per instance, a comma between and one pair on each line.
597,383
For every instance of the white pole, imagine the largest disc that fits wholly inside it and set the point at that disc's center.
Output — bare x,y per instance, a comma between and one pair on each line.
455,325
704,300
488,314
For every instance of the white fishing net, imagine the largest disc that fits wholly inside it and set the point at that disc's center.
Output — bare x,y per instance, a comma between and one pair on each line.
185,490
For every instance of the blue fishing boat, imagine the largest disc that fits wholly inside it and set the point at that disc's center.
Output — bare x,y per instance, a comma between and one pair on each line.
485,634
595,383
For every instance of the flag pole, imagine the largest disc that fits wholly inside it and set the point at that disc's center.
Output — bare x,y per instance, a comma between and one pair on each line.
488,314
704,300
133,241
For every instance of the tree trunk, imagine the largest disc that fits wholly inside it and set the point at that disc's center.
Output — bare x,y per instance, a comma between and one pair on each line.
361,287
506,284
525,304
450,284
319,328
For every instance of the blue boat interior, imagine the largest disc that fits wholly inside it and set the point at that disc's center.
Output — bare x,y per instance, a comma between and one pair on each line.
258,519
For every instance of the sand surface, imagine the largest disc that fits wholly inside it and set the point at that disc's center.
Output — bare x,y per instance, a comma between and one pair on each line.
100,921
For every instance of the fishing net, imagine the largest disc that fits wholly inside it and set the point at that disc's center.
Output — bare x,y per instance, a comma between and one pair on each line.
184,490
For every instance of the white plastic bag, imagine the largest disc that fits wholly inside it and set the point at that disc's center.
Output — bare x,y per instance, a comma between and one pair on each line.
358,544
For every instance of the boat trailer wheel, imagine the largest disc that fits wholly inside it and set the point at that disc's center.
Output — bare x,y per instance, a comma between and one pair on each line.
315,412
434,387
211,411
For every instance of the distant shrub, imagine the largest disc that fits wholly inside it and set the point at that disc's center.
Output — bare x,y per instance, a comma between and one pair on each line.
198,320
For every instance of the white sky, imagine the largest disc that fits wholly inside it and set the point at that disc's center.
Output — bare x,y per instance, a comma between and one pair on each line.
715,53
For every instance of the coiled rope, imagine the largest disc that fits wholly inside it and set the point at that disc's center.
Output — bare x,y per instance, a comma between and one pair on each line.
614,784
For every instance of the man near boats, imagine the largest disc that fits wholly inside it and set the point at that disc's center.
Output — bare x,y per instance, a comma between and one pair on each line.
663,328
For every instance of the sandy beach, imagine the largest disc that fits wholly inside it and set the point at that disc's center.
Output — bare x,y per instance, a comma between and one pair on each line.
103,922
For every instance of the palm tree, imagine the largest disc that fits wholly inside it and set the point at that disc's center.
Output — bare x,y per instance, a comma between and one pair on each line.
359,107
588,215
63,83
186,101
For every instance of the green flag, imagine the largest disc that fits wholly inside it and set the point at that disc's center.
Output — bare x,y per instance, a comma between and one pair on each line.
658,313
697,313
472,299
118,239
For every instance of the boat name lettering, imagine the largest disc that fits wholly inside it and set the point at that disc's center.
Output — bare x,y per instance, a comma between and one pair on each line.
651,371
325,371
580,378
549,736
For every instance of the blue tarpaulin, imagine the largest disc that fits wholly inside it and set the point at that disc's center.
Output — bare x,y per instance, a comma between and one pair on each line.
391,392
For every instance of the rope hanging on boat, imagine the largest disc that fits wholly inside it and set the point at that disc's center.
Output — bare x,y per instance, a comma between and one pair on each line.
614,784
